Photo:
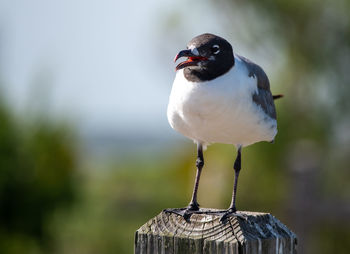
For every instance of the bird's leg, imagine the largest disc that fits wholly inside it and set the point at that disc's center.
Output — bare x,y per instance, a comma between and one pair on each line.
193,206
231,211
199,164
237,167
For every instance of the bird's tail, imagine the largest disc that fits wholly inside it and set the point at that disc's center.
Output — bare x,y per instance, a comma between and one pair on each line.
275,97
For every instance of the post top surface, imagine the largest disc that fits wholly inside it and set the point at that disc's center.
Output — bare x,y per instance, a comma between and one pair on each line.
257,225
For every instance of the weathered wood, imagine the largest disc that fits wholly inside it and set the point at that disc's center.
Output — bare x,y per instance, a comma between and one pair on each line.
260,233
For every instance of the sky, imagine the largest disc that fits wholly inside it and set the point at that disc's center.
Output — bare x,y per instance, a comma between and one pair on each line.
105,65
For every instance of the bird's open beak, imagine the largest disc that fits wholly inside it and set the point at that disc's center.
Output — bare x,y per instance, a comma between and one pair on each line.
192,59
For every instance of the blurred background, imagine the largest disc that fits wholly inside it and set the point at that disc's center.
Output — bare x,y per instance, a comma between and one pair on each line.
87,155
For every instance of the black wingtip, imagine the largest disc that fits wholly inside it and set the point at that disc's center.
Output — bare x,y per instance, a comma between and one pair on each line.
275,97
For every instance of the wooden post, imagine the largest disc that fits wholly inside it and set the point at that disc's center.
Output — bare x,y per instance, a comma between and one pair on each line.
260,233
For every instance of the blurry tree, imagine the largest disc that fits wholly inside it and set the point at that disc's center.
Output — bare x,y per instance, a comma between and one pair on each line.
37,172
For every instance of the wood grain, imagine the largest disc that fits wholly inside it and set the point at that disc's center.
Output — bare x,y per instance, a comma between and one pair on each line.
170,233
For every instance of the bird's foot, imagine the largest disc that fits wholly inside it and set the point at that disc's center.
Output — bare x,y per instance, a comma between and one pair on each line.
185,212
225,214
232,212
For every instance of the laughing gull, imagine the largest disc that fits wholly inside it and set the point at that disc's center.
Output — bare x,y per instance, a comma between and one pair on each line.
219,97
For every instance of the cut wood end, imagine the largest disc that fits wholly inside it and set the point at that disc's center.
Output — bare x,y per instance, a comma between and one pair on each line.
257,230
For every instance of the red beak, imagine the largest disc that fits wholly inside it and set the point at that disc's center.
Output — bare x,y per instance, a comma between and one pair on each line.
192,60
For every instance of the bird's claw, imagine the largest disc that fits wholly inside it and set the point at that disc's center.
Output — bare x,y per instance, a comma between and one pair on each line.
186,212
232,213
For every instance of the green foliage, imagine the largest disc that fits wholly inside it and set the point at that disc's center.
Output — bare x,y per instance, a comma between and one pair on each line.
37,170
117,201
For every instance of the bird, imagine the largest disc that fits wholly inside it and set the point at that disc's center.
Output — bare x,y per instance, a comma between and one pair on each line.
219,96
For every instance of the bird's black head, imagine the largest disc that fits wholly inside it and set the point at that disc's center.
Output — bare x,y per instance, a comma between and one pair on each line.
208,56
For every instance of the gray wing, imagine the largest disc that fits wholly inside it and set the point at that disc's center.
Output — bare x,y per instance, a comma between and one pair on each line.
263,97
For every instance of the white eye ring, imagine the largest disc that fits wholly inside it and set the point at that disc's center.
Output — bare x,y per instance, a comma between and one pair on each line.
215,49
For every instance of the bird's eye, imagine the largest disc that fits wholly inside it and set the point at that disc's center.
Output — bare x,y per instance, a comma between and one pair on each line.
215,49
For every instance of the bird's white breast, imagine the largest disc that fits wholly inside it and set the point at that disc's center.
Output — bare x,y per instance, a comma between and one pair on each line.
220,110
